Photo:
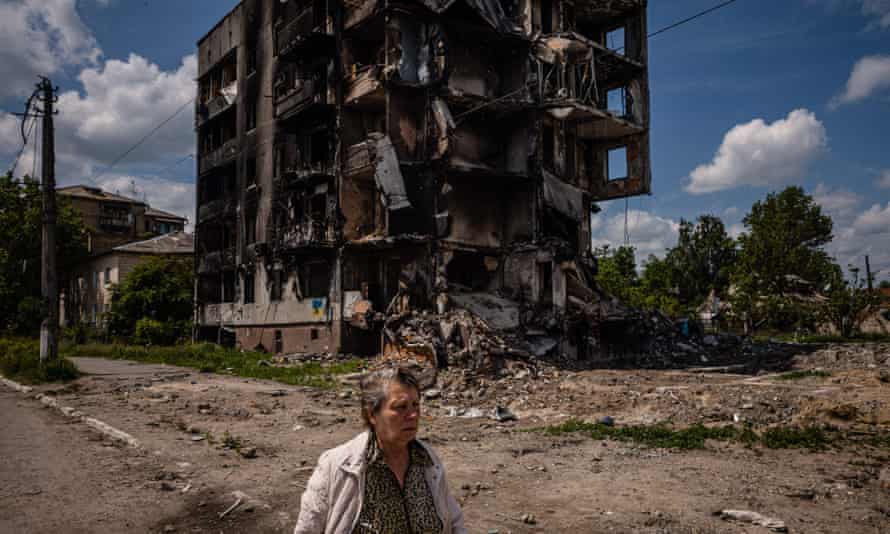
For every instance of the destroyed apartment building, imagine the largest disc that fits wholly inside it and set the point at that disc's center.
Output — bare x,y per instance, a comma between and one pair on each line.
361,161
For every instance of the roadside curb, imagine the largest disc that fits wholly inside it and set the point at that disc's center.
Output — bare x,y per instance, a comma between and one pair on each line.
67,411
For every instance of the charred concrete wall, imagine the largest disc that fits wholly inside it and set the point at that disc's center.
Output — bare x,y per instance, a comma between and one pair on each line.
360,157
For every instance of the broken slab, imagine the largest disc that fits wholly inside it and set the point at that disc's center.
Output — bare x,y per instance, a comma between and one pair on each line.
499,313
387,173
564,198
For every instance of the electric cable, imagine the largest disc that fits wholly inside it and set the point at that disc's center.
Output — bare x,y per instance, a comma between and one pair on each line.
141,141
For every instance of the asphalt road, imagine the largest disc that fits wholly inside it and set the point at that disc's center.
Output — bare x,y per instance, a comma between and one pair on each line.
59,476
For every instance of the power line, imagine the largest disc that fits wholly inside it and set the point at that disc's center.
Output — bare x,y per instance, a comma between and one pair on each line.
691,18
175,164
686,20
139,143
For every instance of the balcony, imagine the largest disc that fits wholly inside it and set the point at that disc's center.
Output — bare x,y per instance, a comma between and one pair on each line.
308,174
308,94
317,234
216,262
216,208
223,101
115,223
364,89
359,161
219,156
310,33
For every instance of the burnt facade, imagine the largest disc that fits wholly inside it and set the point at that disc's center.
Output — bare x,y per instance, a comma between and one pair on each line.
357,158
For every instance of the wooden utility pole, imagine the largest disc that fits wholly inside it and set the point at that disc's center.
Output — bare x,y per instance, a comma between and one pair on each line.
868,274
49,328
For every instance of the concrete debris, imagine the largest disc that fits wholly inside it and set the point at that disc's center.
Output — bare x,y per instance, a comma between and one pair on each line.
754,518
501,414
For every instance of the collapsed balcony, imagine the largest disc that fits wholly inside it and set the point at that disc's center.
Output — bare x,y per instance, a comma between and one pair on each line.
579,82
218,142
306,216
364,89
218,90
305,158
215,251
216,195
304,29
217,208
216,261
303,88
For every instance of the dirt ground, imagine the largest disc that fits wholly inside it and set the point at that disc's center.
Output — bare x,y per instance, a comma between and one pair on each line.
508,479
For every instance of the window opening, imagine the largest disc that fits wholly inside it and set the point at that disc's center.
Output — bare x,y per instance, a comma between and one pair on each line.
229,286
275,285
615,40
617,101
546,16
618,163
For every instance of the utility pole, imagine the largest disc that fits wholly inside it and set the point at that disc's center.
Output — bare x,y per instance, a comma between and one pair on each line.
49,328
868,274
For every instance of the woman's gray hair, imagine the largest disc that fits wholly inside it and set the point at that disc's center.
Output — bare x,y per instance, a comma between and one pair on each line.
375,388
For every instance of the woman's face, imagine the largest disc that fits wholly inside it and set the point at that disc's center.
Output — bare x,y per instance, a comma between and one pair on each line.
396,422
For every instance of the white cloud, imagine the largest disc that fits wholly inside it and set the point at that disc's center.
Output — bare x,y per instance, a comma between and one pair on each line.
40,37
861,233
874,221
121,102
649,234
883,180
870,75
731,211
761,154
836,201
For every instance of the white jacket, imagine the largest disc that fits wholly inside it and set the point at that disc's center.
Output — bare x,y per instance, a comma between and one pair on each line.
333,498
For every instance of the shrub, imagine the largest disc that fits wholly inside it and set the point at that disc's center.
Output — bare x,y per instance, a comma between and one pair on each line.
153,332
20,360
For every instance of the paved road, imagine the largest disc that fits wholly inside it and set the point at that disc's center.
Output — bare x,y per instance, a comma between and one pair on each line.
59,476
126,368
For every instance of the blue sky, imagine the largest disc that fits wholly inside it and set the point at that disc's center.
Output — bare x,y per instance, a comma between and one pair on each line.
787,92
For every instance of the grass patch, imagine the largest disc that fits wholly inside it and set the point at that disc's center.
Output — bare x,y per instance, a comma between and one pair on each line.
694,437
799,375
210,358
20,361
231,442
786,337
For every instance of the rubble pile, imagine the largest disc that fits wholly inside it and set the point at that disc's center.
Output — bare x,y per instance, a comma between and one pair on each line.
457,338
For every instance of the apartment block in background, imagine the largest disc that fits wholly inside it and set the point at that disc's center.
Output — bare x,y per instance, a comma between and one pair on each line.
358,159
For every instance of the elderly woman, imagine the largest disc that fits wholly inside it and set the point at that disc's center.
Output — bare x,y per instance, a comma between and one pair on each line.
383,481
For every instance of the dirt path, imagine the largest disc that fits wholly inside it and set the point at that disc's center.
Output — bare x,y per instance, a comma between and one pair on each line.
208,436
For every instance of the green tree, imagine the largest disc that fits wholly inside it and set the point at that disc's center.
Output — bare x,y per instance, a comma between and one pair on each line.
849,303
885,284
701,260
781,251
21,206
157,296
658,286
785,237
617,273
